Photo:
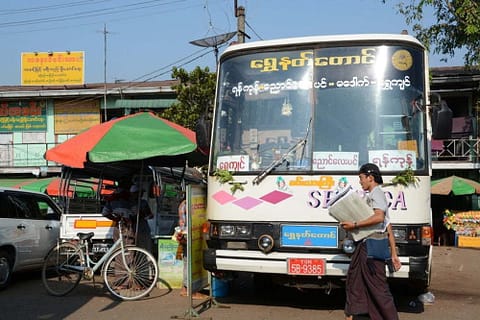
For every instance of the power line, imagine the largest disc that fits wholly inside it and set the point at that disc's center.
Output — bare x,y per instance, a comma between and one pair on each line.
49,8
173,64
248,25
195,57
90,13
167,71
123,19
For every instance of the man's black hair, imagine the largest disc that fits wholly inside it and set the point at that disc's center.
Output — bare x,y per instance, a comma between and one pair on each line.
371,169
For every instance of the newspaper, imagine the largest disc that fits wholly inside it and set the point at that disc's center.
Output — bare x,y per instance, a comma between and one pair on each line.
348,206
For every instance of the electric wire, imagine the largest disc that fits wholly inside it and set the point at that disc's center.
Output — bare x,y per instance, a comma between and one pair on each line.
253,30
68,5
109,10
90,13
122,18
153,75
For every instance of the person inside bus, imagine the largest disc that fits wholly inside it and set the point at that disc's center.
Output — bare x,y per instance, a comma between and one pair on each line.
367,290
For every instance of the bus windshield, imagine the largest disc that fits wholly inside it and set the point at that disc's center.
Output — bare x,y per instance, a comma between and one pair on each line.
321,109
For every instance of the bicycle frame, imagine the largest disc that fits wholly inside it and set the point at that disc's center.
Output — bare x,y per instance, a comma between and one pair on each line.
94,266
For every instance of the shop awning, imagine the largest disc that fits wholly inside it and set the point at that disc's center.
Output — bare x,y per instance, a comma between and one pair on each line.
32,184
144,103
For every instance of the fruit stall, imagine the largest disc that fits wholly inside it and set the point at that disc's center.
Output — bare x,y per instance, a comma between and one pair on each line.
466,225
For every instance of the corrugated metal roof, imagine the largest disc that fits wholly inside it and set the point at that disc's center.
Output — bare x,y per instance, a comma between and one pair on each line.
93,89
144,103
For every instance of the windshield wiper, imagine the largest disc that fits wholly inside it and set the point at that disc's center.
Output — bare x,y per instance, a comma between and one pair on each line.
283,158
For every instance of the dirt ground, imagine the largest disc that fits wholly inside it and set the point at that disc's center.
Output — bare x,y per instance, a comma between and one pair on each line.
455,285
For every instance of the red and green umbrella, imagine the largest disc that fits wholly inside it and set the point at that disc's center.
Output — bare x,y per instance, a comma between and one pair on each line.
52,186
455,185
135,137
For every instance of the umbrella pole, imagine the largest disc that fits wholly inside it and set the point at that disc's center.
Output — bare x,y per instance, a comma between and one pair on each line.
139,197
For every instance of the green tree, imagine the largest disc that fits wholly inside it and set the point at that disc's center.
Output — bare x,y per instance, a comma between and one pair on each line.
195,93
457,26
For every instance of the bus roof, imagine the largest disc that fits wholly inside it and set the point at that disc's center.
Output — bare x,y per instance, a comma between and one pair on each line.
346,38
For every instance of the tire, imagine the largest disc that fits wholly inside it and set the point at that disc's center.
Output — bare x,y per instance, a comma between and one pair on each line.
6,265
133,284
57,278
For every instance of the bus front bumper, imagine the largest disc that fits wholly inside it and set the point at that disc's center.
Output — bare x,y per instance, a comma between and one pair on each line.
336,265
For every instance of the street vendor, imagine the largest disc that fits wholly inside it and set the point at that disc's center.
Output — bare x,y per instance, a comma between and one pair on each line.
119,207
142,213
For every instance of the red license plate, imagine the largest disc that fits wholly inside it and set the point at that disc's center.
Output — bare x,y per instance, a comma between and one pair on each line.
306,266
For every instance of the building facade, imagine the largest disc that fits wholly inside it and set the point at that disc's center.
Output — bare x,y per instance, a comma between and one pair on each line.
34,119
457,155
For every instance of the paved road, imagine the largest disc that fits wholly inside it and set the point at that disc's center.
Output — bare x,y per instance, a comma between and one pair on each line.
455,284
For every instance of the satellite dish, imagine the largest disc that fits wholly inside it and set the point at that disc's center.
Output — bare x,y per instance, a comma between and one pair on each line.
214,41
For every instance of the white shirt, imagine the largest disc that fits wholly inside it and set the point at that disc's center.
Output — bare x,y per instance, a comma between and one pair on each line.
377,200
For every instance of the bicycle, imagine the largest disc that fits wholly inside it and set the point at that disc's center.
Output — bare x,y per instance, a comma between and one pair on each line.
129,272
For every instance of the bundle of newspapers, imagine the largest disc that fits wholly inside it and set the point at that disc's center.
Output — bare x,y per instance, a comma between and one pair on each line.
347,205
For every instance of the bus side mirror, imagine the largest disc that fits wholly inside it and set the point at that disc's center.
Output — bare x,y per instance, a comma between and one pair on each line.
203,130
441,121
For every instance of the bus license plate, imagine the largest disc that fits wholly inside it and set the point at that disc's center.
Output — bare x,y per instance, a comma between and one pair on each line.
306,266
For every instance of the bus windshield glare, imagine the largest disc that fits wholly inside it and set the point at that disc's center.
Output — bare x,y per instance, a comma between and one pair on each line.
325,109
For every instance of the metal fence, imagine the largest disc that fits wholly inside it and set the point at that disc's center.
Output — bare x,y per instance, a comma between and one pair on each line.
464,149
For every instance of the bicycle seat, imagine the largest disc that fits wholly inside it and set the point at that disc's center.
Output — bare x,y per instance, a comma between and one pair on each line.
85,236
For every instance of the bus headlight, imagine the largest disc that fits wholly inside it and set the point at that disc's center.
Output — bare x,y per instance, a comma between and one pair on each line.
242,231
227,231
348,246
400,235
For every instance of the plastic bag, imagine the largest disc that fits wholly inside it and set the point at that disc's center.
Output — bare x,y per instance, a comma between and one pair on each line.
427,298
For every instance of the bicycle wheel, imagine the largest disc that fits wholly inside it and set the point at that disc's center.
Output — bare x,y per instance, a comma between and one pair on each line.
61,270
135,279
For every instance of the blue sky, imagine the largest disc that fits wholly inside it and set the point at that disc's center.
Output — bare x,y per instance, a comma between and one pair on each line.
147,37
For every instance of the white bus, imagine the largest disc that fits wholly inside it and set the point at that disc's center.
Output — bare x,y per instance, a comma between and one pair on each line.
294,120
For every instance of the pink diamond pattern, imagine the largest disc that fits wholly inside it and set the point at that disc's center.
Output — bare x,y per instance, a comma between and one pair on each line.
247,203
275,197
223,197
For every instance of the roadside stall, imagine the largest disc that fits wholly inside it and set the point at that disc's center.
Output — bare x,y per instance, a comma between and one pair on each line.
466,225
155,154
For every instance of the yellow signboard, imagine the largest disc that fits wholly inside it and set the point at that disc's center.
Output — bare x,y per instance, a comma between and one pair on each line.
197,201
72,117
53,68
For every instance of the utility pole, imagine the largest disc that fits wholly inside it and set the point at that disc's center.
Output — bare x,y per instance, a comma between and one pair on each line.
240,14
105,72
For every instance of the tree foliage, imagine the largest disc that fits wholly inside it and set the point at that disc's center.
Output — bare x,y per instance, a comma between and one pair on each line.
457,26
195,94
